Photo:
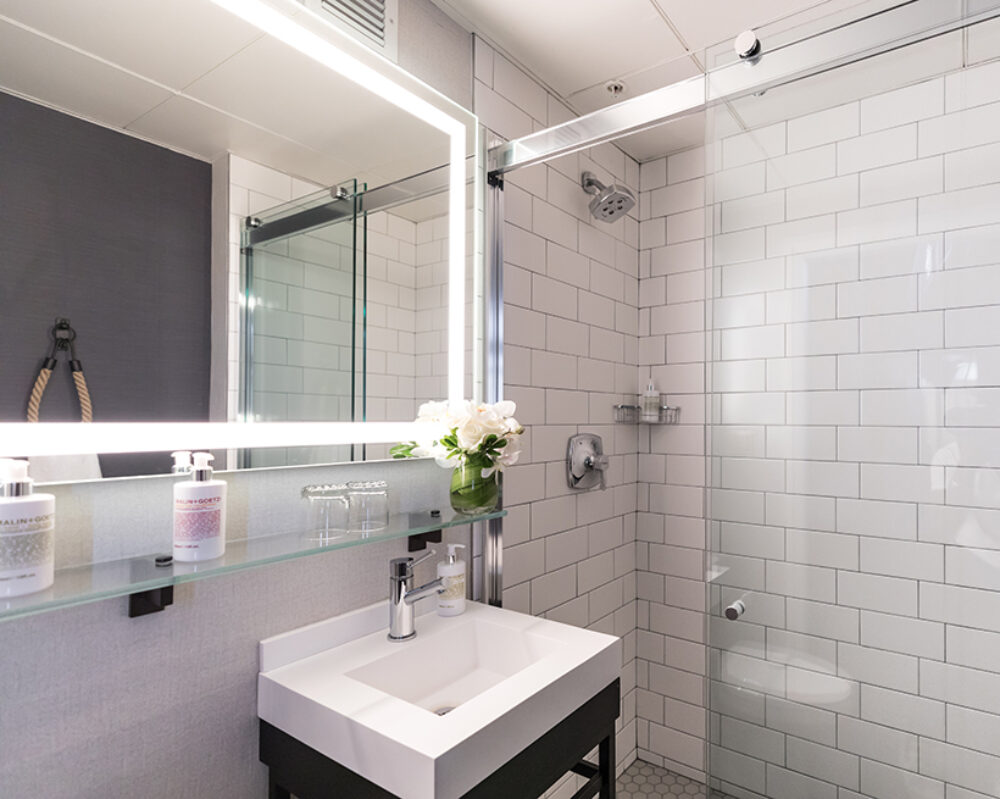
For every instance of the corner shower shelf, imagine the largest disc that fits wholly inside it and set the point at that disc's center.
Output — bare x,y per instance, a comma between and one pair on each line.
78,585
631,412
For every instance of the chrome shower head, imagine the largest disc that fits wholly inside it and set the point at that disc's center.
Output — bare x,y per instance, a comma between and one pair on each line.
611,201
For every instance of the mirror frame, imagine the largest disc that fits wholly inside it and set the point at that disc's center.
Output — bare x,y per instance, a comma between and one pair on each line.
352,60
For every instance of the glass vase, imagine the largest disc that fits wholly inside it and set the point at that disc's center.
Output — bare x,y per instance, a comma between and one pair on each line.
471,493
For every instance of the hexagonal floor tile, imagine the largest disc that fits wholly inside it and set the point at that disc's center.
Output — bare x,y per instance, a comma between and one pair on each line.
645,781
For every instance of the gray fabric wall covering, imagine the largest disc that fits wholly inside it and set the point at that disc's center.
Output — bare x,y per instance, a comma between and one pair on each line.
113,233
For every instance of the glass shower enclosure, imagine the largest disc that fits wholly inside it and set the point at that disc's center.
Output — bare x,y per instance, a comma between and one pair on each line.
854,561
818,541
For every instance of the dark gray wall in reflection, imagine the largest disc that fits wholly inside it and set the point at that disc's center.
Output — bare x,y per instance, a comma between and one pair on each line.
113,233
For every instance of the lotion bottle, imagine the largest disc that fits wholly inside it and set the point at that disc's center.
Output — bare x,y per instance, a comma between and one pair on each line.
27,524
451,601
200,513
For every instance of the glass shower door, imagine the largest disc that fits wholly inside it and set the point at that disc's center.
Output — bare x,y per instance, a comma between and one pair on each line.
854,380
303,318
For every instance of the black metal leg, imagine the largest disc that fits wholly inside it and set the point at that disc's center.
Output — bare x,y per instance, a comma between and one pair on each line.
606,763
275,791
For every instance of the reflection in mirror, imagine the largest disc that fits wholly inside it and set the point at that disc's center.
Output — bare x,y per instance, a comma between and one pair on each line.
345,310
129,157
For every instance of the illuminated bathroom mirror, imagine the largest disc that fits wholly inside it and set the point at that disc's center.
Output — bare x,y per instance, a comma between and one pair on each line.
139,138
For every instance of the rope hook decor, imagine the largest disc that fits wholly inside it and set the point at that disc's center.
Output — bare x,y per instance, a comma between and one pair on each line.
63,339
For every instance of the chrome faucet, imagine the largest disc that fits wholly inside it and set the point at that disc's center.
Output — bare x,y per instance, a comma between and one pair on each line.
402,596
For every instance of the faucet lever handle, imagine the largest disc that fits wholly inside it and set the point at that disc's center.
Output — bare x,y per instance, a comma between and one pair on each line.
402,568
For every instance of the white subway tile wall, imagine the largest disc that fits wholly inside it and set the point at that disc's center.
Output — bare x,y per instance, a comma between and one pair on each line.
854,440
571,333
672,724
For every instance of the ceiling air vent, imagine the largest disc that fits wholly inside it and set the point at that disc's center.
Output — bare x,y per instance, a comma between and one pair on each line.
370,21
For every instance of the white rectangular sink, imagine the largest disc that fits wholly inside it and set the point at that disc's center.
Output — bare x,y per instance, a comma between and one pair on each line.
501,679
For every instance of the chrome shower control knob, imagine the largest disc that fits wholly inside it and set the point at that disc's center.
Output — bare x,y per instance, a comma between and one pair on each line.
737,609
747,45
596,462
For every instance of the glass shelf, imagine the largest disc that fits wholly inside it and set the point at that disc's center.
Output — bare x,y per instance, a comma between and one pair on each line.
78,585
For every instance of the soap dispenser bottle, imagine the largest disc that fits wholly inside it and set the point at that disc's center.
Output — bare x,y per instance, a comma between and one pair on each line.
651,404
27,524
451,601
200,513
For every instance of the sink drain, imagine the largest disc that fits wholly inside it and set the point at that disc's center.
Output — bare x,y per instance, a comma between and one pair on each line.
443,710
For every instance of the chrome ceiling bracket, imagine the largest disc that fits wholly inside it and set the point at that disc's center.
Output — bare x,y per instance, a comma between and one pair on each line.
747,46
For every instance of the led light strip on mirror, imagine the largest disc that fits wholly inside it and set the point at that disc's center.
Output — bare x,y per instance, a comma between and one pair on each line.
277,19
73,438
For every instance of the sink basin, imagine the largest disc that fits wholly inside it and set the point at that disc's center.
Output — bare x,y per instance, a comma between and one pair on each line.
432,717
479,655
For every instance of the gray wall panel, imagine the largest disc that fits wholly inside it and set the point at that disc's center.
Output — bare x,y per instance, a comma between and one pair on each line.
114,233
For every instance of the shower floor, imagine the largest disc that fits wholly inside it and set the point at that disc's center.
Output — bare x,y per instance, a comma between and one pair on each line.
645,781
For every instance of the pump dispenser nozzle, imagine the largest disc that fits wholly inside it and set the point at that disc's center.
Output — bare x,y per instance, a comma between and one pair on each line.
202,468
452,558
182,461
14,480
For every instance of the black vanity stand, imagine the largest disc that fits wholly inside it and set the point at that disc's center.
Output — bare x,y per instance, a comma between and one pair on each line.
296,769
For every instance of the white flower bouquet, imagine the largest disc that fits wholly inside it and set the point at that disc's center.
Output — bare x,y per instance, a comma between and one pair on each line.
476,440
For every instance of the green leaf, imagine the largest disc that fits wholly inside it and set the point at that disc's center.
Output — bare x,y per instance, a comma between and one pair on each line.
404,450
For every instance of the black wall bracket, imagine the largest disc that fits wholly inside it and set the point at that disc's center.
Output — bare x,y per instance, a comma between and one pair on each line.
418,542
152,601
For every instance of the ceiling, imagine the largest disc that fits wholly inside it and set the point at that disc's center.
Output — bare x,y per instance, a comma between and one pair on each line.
189,75
577,46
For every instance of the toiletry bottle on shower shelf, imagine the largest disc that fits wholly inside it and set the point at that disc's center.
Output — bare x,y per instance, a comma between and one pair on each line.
27,524
200,513
451,601
651,404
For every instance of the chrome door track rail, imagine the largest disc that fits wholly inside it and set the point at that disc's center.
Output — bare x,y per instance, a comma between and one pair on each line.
901,25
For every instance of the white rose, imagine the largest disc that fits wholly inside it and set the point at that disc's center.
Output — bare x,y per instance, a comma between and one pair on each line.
505,408
470,434
494,425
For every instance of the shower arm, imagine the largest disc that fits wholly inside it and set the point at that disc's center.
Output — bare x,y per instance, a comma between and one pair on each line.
591,184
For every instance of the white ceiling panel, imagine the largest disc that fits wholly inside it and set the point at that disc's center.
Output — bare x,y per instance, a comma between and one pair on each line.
709,22
573,44
327,112
169,41
38,68
204,131
637,83
110,60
